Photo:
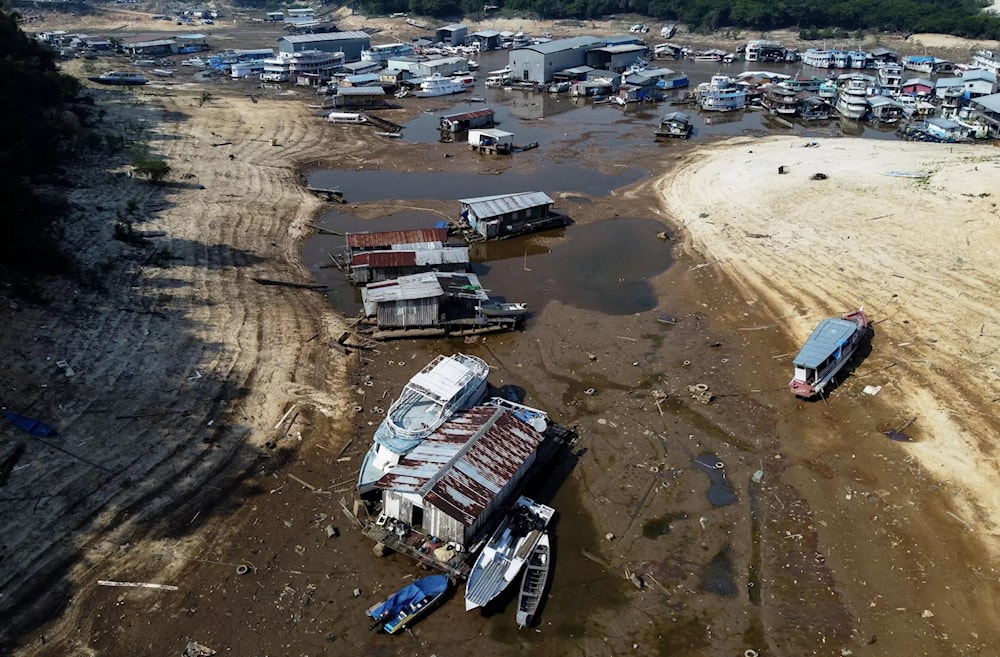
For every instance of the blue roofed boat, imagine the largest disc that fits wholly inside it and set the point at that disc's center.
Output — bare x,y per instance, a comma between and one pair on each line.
447,385
403,607
825,353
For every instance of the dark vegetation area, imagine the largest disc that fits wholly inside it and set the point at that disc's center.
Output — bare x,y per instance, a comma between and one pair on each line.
38,125
959,17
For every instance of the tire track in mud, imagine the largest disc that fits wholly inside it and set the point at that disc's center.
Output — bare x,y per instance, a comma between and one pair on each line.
172,352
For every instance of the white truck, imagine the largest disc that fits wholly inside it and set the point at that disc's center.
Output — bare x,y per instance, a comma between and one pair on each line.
668,31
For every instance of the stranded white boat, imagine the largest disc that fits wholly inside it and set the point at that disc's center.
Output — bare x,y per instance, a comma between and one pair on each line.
506,552
445,386
120,77
825,353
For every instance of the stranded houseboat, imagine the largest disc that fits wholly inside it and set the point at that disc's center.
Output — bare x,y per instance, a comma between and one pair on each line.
825,353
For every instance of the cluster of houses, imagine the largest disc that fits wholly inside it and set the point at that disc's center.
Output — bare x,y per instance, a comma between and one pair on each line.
417,282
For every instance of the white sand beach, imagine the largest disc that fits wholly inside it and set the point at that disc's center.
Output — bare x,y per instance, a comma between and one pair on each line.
919,253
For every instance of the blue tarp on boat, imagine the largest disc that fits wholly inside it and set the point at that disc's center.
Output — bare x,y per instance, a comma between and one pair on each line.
408,602
30,425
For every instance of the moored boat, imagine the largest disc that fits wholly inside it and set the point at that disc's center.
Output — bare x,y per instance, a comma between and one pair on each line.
828,349
438,85
120,78
852,101
442,388
403,607
506,552
536,574
722,94
502,309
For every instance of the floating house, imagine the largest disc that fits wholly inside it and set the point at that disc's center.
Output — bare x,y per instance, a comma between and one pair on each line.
359,97
491,141
374,266
988,111
505,215
150,47
944,129
918,87
675,125
417,238
452,484
461,121
431,304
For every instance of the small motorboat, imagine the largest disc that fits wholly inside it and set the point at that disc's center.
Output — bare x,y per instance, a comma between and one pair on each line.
502,309
406,605
536,573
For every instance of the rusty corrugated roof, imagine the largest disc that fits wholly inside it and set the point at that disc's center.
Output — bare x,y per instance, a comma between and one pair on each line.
462,466
390,237
385,259
465,116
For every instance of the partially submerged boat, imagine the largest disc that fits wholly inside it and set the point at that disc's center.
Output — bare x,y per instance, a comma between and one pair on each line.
536,574
403,607
827,350
506,552
448,384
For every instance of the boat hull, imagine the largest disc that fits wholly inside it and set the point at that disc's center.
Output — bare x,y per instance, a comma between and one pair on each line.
506,552
536,574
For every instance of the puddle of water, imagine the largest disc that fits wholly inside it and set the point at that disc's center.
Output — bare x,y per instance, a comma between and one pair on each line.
720,491
582,271
377,185
717,576
657,527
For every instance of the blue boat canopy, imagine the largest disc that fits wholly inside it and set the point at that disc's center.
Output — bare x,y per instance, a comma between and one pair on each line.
825,339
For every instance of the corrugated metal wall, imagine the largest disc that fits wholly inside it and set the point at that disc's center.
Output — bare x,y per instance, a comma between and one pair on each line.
408,313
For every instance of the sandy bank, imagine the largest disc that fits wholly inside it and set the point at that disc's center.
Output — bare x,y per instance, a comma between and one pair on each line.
920,253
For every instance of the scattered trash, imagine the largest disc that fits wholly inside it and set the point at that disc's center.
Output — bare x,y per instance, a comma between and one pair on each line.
927,613
872,390
666,319
64,366
592,356
662,236
700,392
590,391
195,649
758,476
242,569
897,433
818,176
137,585
781,169
30,425
357,592
609,536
